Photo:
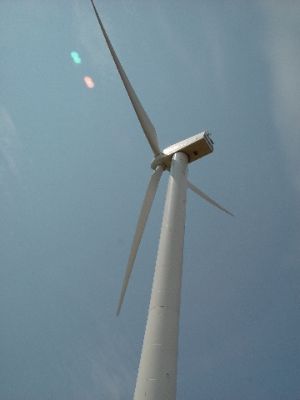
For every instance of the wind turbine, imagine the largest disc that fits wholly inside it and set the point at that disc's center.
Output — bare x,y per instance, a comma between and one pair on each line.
157,372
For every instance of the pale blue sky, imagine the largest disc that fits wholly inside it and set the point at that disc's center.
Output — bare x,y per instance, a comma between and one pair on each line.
74,166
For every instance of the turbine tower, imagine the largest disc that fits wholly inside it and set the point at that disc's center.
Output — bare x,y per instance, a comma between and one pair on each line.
157,371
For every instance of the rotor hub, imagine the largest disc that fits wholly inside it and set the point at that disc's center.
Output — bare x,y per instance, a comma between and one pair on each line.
194,147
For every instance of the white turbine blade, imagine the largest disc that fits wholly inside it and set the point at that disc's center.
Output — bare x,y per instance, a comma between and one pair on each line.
207,198
146,207
145,122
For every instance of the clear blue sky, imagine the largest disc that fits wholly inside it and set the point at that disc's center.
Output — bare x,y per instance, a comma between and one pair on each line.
74,166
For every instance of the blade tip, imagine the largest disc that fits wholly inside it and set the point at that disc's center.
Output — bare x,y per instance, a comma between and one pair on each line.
119,306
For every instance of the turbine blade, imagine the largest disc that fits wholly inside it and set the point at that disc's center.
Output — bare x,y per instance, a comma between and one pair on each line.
207,198
145,122
146,207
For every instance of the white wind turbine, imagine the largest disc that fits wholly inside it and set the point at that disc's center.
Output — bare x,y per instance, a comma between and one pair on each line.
157,372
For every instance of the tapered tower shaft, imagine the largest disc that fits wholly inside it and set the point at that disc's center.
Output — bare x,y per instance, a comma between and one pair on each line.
158,364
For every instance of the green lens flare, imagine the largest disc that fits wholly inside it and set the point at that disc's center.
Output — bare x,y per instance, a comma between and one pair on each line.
75,57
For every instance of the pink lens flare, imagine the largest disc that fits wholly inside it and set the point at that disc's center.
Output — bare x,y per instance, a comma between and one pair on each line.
89,82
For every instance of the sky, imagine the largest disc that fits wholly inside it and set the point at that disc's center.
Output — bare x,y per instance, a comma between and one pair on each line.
74,166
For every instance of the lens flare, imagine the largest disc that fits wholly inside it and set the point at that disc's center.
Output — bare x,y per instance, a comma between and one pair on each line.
75,57
89,82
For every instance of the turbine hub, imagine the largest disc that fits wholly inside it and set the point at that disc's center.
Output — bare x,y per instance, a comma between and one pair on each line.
194,147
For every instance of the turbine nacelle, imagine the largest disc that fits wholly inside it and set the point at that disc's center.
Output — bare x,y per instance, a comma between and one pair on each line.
195,147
